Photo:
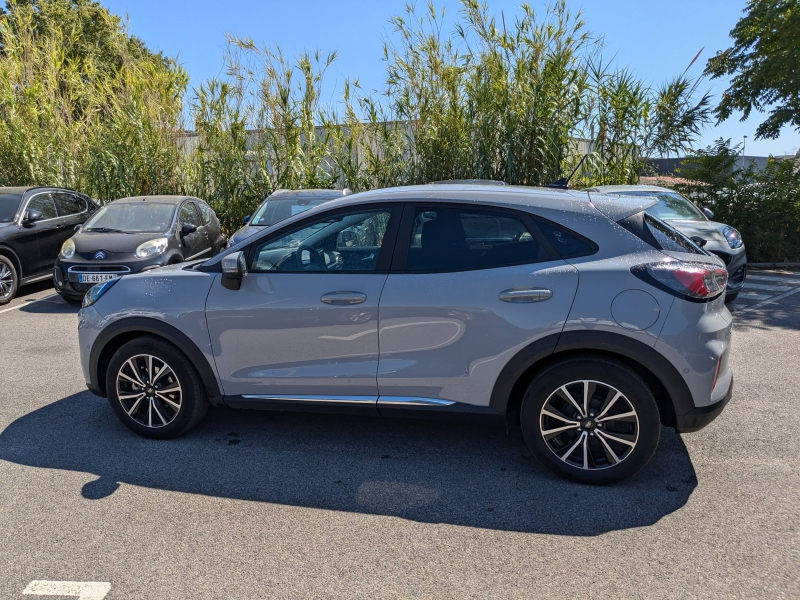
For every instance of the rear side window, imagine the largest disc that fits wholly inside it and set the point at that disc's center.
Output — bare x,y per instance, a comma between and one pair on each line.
669,238
567,243
69,204
454,239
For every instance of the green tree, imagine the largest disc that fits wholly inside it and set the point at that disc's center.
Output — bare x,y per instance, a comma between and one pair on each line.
765,64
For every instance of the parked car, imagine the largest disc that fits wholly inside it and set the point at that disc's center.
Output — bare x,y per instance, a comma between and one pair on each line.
697,224
281,205
34,222
132,235
497,301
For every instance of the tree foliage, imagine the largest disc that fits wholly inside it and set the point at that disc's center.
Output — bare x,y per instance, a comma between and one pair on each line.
765,64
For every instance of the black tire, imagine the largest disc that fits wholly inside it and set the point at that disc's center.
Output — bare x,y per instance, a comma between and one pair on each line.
730,297
605,377
9,281
193,402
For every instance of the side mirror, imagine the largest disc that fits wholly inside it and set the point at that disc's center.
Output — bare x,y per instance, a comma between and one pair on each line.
78,227
708,212
187,229
31,216
699,241
234,269
246,220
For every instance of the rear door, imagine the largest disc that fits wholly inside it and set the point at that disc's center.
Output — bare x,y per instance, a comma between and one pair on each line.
72,210
470,286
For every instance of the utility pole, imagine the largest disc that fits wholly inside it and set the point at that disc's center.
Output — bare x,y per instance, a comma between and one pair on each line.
744,145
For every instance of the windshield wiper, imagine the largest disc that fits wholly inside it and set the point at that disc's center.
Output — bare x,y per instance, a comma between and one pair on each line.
106,230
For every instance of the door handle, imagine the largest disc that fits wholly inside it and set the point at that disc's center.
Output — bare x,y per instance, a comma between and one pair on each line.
343,298
525,295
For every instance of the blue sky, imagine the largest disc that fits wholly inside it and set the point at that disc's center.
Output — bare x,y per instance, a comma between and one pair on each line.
654,38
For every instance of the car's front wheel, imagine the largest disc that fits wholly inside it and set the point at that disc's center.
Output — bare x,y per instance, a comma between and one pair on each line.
8,280
590,419
154,389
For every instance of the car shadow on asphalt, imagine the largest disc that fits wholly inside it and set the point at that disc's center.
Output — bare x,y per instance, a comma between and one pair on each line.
427,471
50,306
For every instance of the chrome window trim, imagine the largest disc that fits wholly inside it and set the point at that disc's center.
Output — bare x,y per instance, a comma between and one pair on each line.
18,220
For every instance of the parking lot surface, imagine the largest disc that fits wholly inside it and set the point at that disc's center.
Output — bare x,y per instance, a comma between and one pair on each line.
261,505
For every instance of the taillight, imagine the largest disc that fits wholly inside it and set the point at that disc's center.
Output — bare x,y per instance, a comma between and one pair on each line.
697,282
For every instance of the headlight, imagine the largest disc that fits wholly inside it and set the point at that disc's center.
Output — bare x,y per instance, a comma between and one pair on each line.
95,293
152,248
734,237
67,249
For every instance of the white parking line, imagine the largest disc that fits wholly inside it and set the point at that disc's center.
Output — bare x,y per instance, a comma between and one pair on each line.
753,296
770,301
769,288
84,590
5,310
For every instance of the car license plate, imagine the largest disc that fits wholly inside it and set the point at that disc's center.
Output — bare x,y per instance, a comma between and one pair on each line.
95,277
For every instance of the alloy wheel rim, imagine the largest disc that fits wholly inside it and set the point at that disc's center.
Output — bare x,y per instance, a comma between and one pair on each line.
589,425
149,391
6,281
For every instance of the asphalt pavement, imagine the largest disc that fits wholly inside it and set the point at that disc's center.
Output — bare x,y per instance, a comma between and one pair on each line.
262,505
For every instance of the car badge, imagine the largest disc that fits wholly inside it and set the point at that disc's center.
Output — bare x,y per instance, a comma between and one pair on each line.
100,255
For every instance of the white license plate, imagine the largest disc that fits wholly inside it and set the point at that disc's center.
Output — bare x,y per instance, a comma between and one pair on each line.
95,277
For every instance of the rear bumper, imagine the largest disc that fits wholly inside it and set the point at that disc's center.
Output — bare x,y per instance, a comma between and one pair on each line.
697,418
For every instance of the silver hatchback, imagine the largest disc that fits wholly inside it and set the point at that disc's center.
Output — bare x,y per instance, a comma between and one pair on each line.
586,320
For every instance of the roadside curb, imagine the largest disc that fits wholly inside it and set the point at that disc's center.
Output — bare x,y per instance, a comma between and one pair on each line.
783,265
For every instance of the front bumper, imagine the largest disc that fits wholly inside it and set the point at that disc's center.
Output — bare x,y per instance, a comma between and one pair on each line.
66,273
697,418
736,264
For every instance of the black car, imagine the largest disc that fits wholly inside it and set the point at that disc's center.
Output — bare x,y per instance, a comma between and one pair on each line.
132,235
281,205
34,223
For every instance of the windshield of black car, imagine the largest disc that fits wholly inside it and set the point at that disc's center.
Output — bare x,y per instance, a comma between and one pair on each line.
671,206
278,209
9,203
128,217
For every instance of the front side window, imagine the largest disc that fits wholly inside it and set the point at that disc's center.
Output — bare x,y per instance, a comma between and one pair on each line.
189,215
346,242
205,212
144,217
455,239
9,204
44,204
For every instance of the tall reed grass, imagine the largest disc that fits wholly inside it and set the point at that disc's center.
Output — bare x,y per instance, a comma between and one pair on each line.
518,99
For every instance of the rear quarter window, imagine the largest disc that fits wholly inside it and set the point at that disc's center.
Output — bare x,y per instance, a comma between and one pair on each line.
567,243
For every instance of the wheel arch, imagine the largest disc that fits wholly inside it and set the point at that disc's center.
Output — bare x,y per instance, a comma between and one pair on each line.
113,337
9,253
671,393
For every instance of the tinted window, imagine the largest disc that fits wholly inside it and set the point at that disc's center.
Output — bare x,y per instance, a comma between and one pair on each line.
44,204
277,209
567,243
344,242
69,204
669,238
189,215
452,239
205,212
9,204
144,217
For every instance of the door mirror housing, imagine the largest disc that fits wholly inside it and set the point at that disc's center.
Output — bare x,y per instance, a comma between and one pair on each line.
188,229
246,220
78,227
31,216
708,212
234,269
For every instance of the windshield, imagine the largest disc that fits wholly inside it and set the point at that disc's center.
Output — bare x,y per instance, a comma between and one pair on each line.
146,217
671,206
276,210
9,203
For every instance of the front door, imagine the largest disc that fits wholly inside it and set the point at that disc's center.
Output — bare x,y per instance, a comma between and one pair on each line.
195,244
50,231
469,288
303,327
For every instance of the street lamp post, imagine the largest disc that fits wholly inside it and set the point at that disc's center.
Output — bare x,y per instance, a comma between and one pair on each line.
744,145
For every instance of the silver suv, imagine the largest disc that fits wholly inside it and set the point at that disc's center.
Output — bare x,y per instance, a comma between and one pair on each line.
587,320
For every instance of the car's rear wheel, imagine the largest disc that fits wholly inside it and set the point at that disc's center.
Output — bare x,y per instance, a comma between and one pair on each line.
590,419
154,389
8,280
